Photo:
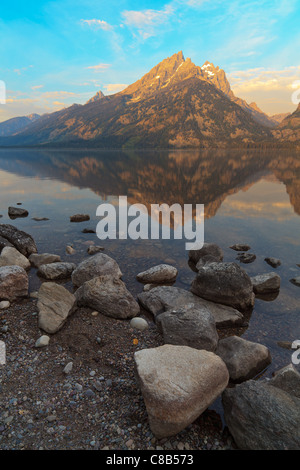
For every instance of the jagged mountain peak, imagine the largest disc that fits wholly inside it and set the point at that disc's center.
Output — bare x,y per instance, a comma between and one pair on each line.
209,66
158,77
98,96
254,106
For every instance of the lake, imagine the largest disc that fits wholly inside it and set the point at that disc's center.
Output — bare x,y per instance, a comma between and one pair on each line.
250,197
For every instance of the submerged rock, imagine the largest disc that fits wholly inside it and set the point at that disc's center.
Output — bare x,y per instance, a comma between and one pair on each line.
208,249
240,247
264,415
15,212
158,274
22,241
178,383
191,325
98,265
38,260
246,258
92,249
55,304
266,283
163,298
274,262
244,359
13,283
225,283
295,281
79,218
70,250
40,219
109,296
56,271
10,256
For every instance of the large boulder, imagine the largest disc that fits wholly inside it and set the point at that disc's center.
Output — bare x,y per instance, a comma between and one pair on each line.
208,249
178,383
163,273
163,298
192,326
266,283
109,296
225,283
56,271
38,260
19,239
13,283
97,265
10,256
263,415
244,359
55,304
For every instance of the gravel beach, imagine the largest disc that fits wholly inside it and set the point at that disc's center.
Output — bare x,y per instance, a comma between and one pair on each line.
97,405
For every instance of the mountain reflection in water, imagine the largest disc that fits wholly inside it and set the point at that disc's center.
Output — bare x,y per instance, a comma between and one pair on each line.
184,177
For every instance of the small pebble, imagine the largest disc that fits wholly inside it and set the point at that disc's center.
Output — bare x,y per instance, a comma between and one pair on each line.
68,368
4,304
42,341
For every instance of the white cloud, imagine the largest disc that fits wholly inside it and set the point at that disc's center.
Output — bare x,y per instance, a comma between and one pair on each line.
270,89
115,87
37,87
259,78
97,24
147,21
99,67
23,69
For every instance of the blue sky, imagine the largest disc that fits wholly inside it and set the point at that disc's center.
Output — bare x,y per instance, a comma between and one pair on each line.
55,53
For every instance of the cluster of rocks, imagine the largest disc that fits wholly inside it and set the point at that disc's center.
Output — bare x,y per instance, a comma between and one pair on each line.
171,376
220,295
180,379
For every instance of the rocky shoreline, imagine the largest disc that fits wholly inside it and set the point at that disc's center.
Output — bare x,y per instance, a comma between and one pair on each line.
97,368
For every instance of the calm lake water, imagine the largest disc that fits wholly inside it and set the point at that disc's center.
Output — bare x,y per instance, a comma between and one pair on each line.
249,197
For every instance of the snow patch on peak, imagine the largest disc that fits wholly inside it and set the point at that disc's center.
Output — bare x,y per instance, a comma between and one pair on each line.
206,66
179,66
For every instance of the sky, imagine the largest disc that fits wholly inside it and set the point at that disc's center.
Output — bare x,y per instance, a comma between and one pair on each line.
60,52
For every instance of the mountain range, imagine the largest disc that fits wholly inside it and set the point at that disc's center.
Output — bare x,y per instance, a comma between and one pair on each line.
14,125
177,104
